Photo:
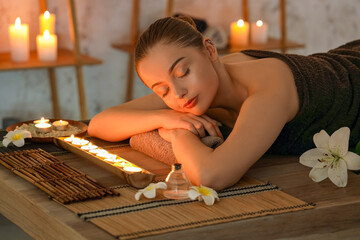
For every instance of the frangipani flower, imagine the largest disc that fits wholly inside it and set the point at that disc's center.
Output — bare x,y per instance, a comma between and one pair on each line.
331,157
16,137
150,191
203,193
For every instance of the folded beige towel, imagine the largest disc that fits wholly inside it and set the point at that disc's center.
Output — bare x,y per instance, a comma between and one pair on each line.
156,147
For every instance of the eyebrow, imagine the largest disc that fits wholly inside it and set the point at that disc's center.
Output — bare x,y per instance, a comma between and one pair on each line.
170,70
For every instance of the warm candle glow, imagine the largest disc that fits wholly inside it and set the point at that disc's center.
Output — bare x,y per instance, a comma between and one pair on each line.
132,169
18,23
60,125
46,14
89,147
240,23
239,33
46,35
259,23
41,120
46,46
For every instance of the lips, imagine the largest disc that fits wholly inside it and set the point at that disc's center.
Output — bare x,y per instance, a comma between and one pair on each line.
191,103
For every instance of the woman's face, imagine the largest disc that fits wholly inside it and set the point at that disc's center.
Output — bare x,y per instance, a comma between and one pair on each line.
183,77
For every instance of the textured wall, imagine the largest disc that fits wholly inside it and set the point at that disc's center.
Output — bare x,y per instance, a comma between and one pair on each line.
320,24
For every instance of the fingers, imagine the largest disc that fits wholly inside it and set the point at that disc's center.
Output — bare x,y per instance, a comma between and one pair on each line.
212,128
196,126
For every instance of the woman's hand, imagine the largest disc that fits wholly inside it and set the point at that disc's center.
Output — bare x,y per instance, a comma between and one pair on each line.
198,125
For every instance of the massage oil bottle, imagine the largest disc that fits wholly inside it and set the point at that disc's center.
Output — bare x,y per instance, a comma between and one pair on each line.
177,183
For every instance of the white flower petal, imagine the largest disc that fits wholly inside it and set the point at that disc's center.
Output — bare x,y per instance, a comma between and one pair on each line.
209,200
310,157
19,143
193,194
352,161
338,173
6,142
150,194
26,134
161,185
318,174
339,141
138,195
321,139
323,163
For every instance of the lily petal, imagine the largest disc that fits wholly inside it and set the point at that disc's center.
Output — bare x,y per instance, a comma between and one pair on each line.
19,143
209,200
6,142
339,141
138,195
352,161
193,194
310,157
150,194
321,139
323,163
318,174
338,173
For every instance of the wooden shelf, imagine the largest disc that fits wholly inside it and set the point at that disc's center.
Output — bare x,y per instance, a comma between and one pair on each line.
65,58
272,44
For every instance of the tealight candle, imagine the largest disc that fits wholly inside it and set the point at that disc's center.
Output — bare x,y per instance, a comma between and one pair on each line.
259,31
80,142
132,169
71,138
19,41
89,147
239,33
96,151
46,46
47,21
41,120
60,125
120,164
105,155
43,127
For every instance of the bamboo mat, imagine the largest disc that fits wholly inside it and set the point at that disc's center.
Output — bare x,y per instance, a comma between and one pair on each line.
125,218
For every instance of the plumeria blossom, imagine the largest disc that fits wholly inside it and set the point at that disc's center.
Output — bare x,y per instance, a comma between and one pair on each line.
16,137
150,191
331,157
203,193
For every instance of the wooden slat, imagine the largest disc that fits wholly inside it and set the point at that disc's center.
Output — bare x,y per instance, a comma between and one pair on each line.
54,93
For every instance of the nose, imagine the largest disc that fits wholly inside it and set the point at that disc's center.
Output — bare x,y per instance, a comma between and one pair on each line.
179,91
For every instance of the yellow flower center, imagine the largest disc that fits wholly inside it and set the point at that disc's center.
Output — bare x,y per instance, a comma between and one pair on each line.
17,136
204,191
150,188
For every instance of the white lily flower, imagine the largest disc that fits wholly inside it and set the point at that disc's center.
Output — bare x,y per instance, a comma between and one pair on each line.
150,191
331,157
16,137
203,193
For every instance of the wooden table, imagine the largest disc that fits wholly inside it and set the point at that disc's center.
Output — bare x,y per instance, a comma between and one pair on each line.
337,212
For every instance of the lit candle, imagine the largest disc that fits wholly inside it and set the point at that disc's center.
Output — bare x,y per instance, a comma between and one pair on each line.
132,169
19,41
259,31
47,21
80,142
60,125
43,127
46,46
41,120
71,138
96,151
89,147
119,164
106,155
239,33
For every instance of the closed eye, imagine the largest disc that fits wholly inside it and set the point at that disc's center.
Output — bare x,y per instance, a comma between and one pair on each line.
186,73
165,93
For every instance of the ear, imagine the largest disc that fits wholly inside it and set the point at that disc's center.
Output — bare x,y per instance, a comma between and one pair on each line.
210,49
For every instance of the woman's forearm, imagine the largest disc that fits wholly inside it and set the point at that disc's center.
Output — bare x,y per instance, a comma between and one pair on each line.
116,124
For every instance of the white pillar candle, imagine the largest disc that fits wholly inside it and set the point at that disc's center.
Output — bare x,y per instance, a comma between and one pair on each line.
47,21
259,32
46,46
239,33
19,41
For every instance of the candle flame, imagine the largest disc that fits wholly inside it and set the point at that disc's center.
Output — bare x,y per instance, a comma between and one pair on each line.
240,23
60,121
46,34
46,14
42,120
259,23
18,23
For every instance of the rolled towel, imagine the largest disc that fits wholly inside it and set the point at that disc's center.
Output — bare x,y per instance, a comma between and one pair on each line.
156,147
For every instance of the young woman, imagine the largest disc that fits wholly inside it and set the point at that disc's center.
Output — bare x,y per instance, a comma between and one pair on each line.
274,102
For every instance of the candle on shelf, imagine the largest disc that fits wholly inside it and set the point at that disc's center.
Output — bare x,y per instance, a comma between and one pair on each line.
47,21
60,125
46,46
43,127
259,32
41,120
19,41
239,33
89,147
132,169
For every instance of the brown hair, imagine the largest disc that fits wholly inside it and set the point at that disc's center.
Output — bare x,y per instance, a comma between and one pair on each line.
176,30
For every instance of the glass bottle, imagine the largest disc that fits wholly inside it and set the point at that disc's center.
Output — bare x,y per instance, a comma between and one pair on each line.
177,183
